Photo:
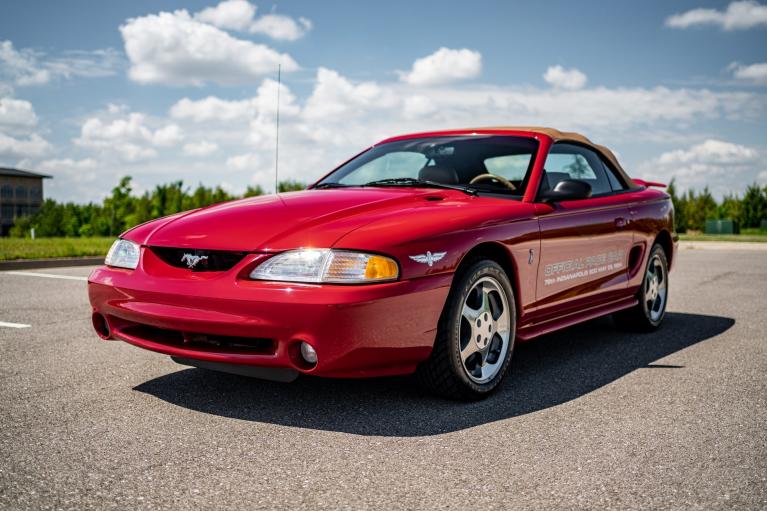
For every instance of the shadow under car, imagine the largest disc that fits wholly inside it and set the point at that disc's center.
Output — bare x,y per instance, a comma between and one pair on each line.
546,372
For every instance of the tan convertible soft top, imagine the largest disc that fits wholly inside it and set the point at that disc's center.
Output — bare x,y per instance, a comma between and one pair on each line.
569,136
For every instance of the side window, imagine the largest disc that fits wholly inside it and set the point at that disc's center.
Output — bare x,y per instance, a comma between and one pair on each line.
615,183
569,161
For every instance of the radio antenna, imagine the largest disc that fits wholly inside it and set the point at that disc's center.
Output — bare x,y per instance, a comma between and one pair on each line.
277,137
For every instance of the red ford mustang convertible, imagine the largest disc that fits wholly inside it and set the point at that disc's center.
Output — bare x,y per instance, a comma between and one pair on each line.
431,253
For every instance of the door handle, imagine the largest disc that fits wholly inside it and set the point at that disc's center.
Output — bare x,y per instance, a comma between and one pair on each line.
621,222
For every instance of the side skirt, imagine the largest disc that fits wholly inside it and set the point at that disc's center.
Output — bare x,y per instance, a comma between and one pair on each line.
533,330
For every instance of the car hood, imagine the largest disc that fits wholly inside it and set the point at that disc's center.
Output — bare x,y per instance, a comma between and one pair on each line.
312,218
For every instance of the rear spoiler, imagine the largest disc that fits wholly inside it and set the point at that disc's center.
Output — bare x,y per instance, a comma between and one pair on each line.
642,182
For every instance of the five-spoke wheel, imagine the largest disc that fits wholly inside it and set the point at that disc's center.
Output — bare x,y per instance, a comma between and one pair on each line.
655,287
648,314
485,330
475,337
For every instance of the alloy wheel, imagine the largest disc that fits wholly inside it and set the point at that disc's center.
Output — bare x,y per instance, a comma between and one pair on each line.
485,330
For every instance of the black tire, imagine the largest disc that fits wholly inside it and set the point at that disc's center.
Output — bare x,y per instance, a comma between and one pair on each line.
445,372
644,316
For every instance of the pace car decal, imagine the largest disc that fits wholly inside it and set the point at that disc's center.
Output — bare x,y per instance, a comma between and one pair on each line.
582,267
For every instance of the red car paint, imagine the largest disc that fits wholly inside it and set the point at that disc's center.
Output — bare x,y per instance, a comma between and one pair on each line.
374,329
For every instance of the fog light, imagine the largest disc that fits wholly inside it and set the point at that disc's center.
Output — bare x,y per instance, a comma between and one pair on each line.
308,353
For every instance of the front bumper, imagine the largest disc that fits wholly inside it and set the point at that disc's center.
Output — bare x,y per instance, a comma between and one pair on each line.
357,331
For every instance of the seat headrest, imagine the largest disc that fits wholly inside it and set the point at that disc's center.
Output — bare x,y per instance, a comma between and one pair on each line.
439,174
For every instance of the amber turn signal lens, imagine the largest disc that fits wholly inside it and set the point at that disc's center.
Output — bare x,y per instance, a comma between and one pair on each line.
381,268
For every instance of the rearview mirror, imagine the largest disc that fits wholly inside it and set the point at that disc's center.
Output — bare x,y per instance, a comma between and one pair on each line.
567,189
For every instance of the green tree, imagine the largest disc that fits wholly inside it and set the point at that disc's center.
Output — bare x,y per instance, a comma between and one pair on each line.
730,208
680,207
253,191
119,205
753,206
700,208
579,167
290,185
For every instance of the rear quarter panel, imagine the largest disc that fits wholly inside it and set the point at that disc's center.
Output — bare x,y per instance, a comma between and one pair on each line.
652,213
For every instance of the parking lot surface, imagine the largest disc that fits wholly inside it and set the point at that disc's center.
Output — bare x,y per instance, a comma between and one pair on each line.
591,417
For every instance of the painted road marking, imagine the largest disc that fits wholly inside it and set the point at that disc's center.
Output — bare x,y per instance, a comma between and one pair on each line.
46,275
13,325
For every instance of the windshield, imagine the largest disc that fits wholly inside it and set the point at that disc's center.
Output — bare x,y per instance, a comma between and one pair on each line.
448,160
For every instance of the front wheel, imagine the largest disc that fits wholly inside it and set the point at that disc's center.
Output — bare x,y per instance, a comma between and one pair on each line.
648,314
475,336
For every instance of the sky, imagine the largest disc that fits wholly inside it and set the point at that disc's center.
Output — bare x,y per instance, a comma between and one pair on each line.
165,90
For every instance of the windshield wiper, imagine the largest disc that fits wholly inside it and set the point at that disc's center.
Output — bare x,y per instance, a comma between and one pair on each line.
330,185
409,181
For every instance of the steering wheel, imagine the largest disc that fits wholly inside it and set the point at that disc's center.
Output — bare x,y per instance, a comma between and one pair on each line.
493,177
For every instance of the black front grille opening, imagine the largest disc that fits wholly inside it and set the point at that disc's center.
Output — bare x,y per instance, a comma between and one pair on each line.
202,342
199,260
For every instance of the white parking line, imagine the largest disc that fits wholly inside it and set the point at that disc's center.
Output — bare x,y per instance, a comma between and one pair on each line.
13,325
46,275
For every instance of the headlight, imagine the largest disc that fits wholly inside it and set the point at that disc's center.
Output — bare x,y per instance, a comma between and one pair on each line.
123,254
326,265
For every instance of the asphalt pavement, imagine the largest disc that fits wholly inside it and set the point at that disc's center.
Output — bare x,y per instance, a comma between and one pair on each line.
592,417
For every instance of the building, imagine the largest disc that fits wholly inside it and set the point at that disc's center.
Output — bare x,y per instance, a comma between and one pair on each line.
21,194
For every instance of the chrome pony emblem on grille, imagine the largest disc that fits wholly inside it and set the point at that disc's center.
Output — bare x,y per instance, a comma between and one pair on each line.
428,258
192,260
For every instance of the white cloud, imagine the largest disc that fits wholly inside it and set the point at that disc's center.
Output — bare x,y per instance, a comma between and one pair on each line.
723,167
247,161
755,73
418,106
201,148
167,136
562,78
32,146
738,16
279,26
16,115
64,164
710,151
762,177
131,138
21,66
18,122
239,15
214,109
27,67
443,66
335,95
173,48
230,14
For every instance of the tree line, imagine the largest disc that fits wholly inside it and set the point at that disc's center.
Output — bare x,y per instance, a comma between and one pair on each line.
692,208
122,210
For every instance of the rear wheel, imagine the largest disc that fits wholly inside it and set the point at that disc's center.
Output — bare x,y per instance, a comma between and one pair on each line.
648,314
475,337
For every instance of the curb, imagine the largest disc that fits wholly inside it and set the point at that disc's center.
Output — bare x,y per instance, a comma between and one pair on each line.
56,262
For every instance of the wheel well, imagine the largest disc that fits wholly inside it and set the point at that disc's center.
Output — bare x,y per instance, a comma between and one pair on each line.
495,252
664,240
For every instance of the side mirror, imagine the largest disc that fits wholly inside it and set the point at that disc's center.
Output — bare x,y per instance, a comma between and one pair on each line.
567,189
